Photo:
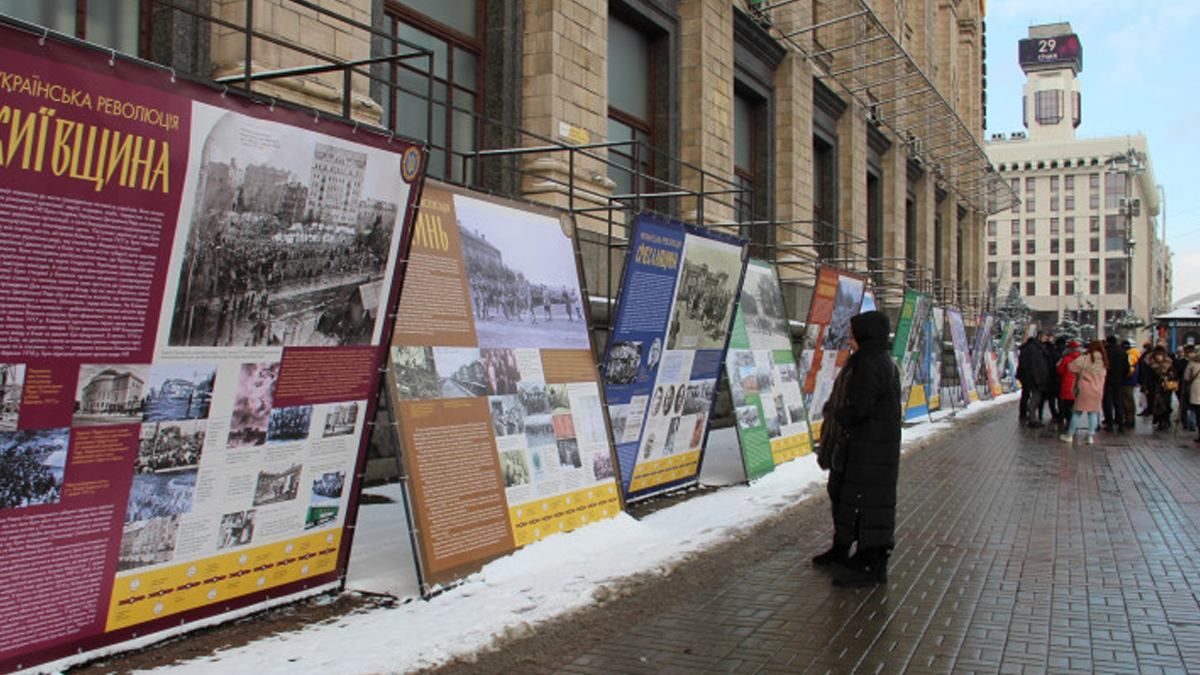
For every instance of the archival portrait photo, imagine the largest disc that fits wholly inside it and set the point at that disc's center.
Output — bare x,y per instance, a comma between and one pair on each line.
460,372
522,276
514,465
179,391
289,424
32,466
252,404
501,371
416,374
568,454
110,394
845,307
236,529
708,283
288,239
623,361
167,446
325,501
508,415
273,487
12,386
602,465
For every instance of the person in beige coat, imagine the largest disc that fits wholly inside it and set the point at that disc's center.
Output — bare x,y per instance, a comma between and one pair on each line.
1191,382
1089,370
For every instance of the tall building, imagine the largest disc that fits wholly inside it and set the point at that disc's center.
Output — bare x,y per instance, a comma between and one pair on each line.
1083,241
844,131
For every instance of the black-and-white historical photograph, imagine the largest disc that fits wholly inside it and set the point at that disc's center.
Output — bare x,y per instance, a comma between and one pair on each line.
147,542
656,400
672,437
698,396
341,420
763,310
845,306
12,386
514,465
534,397
416,374
708,283
539,431
560,399
747,417
501,371
289,238
110,394
289,424
236,529
508,415
522,276
460,372
680,397
160,494
325,501
618,415
179,391
602,465
623,361
568,454
168,446
273,487
252,404
32,466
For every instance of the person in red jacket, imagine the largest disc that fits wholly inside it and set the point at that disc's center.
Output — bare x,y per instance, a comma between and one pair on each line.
1066,379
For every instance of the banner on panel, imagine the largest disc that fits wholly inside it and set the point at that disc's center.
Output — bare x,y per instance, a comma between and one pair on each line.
837,297
906,347
981,348
772,424
936,333
496,392
196,291
962,357
1007,366
672,323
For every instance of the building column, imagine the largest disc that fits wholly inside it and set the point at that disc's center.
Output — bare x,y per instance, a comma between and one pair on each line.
706,104
852,185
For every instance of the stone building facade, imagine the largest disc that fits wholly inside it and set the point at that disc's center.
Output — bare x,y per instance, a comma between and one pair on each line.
846,130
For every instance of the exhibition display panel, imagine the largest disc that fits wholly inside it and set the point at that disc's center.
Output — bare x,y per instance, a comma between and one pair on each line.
837,298
764,384
192,327
679,293
495,390
962,357
911,335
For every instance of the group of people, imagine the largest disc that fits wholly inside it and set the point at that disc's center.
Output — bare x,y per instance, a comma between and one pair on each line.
1102,379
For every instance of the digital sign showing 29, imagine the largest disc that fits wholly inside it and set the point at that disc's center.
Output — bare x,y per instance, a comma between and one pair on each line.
1058,49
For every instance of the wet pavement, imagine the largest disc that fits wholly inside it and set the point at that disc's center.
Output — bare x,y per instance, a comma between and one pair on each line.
1016,553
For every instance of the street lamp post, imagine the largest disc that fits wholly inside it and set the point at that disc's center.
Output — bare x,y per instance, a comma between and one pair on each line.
1133,162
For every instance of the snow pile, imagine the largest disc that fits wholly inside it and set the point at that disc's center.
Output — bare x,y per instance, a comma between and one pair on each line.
566,572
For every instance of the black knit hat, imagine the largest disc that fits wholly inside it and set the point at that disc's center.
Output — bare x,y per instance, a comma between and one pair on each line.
870,326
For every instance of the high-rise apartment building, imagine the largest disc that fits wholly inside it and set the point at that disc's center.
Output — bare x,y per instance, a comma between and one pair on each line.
1083,241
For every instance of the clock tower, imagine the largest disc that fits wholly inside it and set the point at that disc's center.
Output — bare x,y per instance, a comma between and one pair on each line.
1052,59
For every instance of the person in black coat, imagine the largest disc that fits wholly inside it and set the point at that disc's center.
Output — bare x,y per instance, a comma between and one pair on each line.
866,455
1033,371
1118,367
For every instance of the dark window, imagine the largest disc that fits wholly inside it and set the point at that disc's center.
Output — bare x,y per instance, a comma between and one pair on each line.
1030,226
1094,267
1070,287
1030,184
991,248
1030,246
1016,247
1115,275
1094,287
1016,228
991,228
1054,288
1094,224
750,169
1069,202
1049,106
1054,226
825,196
1069,267
910,235
630,106
1093,181
453,33
1030,268
875,219
1053,183
112,23
1094,200
1069,225
1053,268
1070,246
1094,245
991,270
1077,112
1016,268
1030,204
1054,203
1114,233
1114,189
1069,183
1030,288
1054,245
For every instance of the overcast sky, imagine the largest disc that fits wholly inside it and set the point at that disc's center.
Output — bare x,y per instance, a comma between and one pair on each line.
1138,76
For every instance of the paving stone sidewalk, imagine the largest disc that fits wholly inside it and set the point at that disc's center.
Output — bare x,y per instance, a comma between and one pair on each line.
1016,553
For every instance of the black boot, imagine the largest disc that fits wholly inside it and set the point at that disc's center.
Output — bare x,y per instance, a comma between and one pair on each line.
867,568
836,555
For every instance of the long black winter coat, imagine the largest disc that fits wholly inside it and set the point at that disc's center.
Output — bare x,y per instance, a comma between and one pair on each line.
1032,368
866,504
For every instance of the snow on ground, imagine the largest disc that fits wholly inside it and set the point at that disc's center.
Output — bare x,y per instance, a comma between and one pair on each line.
511,595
